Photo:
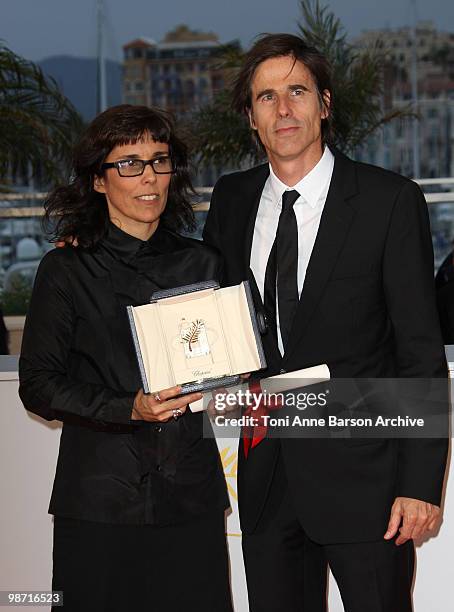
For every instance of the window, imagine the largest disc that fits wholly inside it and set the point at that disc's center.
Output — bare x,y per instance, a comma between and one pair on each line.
218,83
189,86
400,127
132,72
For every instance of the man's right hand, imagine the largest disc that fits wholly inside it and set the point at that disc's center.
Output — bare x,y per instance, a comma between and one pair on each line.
160,406
69,240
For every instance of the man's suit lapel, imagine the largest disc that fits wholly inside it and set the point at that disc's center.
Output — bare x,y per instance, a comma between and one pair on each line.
335,223
252,194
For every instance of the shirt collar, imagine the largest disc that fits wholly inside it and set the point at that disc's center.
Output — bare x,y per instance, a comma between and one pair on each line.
311,187
122,245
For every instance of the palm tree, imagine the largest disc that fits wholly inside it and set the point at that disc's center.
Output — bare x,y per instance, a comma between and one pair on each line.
358,77
222,137
38,124
218,135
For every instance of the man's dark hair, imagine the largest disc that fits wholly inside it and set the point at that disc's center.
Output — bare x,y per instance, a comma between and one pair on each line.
77,210
269,46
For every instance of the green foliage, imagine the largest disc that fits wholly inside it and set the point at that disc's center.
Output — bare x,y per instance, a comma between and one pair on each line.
216,133
16,300
38,124
221,136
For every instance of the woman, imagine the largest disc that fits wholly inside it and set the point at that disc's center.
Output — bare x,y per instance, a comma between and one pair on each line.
139,496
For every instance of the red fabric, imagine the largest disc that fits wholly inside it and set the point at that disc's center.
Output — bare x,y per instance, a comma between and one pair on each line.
254,434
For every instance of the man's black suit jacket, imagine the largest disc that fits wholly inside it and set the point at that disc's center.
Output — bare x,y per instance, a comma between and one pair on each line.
367,309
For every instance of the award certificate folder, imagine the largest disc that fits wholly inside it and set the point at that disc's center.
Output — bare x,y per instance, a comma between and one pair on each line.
197,336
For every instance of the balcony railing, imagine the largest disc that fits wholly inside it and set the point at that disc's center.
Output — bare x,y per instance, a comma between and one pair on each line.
20,219
22,242
439,193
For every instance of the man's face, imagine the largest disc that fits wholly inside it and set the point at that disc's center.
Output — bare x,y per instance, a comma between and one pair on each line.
286,110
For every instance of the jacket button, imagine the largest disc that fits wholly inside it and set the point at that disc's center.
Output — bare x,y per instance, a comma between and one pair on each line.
262,322
158,429
282,371
159,468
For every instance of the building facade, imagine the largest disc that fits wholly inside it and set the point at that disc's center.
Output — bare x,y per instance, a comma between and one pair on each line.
430,53
180,73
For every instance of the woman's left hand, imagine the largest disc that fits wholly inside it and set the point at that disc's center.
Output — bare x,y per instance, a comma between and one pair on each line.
161,406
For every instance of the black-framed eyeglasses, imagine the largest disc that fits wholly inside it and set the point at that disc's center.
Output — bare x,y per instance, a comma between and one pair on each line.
136,167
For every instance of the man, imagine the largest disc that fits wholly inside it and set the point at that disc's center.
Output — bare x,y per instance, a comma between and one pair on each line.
444,287
340,258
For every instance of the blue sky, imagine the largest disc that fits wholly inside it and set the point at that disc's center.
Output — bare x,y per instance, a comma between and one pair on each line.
40,28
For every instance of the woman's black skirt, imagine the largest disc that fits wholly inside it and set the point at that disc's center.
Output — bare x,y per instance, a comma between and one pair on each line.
134,568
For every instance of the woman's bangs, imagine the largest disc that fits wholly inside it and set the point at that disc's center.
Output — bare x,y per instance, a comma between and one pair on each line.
155,128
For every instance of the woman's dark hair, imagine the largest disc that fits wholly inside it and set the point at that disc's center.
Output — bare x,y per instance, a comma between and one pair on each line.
77,210
269,46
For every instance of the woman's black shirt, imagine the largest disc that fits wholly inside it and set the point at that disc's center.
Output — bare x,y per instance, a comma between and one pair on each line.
78,365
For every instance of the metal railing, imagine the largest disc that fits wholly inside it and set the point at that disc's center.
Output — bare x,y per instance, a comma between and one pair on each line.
432,197
34,210
439,194
22,242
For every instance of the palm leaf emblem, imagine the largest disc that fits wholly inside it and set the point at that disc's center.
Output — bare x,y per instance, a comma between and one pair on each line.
191,334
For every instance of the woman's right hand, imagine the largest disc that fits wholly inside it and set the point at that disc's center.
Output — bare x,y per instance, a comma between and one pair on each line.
161,406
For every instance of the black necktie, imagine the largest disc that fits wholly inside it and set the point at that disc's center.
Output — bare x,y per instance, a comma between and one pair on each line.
282,269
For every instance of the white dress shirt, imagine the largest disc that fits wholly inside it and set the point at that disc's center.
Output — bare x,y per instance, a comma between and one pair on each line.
313,189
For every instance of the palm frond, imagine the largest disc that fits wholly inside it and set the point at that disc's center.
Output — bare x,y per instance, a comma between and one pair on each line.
38,124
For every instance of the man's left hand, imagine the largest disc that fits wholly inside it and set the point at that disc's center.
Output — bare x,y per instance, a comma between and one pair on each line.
413,516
